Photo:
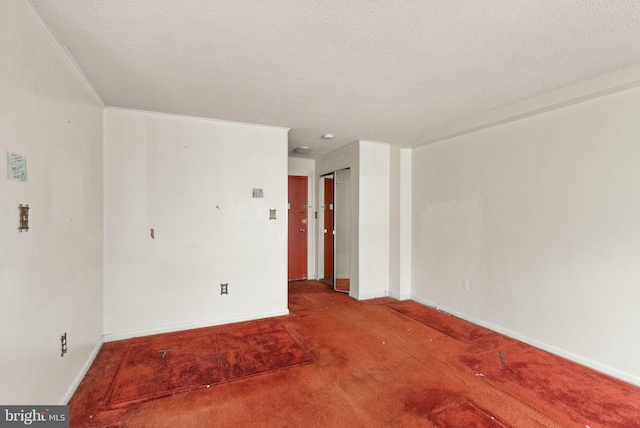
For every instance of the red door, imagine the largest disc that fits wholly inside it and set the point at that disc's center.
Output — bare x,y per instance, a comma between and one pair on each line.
297,227
328,229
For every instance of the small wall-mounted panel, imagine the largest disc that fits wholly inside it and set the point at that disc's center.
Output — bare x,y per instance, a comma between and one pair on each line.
24,218
16,167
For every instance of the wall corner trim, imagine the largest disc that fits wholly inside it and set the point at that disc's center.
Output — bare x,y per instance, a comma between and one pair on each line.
81,374
64,53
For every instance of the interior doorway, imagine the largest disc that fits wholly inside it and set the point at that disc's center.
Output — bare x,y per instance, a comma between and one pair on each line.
297,227
328,230
335,216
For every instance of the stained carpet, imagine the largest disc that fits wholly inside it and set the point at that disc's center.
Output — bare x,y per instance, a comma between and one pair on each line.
378,363
563,386
165,365
464,415
457,328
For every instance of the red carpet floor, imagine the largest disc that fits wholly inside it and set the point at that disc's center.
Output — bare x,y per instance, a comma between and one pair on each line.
444,323
164,365
337,362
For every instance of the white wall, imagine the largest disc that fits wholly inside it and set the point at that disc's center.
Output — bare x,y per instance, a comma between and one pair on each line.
541,215
191,180
342,224
307,168
394,221
400,224
51,276
374,194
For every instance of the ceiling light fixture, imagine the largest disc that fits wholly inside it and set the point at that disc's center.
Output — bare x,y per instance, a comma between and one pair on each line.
328,136
303,150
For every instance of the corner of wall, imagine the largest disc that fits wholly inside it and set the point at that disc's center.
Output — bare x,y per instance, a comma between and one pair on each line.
82,372
62,50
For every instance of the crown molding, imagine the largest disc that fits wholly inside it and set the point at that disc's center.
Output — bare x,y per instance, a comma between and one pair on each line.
607,84
183,116
64,53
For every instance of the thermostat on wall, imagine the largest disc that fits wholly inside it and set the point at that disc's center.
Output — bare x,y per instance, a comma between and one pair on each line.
258,193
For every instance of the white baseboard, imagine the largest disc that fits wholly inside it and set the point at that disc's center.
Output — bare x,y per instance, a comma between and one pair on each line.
81,374
608,370
188,326
371,295
401,296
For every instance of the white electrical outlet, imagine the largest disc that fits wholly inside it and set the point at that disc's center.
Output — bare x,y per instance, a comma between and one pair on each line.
465,284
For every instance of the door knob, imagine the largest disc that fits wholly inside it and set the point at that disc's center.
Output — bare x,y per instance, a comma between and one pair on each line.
302,229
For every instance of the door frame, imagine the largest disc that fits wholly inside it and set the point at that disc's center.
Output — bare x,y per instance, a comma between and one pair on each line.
305,179
323,234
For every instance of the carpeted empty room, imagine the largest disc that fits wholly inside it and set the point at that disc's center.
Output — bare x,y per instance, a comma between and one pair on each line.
319,213
338,362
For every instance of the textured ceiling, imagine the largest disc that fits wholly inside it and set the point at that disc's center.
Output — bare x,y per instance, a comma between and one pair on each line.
389,71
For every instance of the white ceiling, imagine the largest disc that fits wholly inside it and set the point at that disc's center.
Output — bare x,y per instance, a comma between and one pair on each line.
390,71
